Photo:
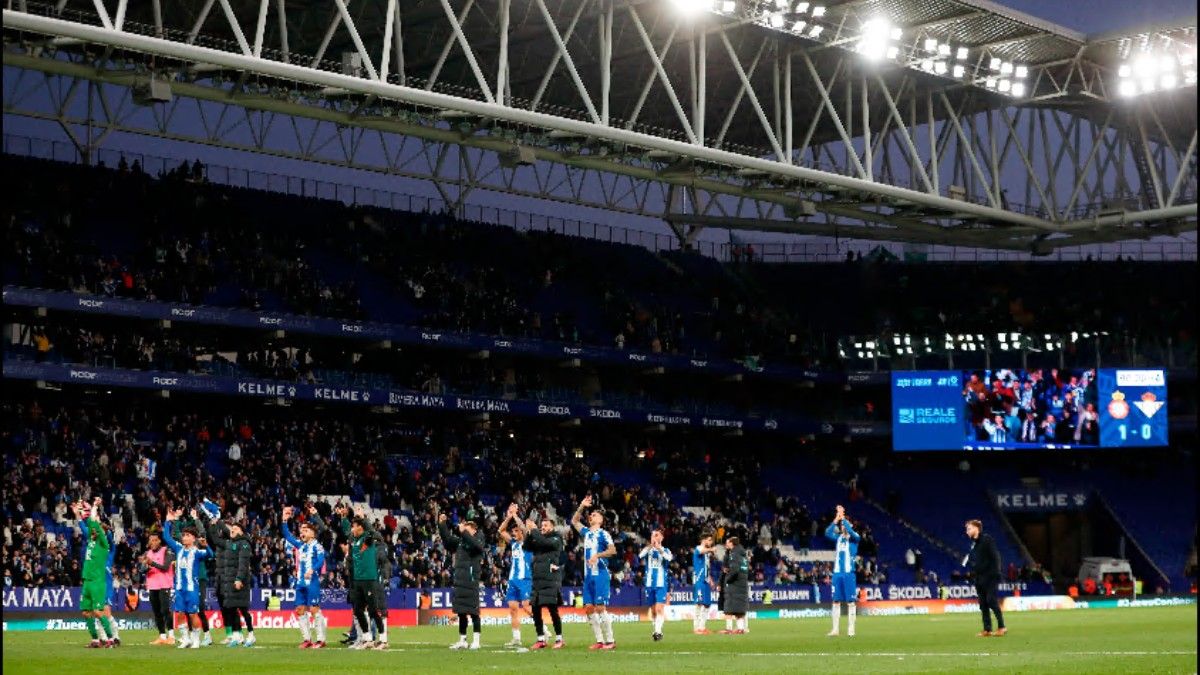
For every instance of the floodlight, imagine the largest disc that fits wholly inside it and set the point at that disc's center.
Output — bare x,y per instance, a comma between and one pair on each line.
897,32
819,11
959,70
776,19
799,26
930,45
1005,85
995,64
815,31
927,65
1006,68
939,67
963,52
990,83
1018,89
1021,72
802,7
944,49
1169,81
1125,70
893,52
1127,88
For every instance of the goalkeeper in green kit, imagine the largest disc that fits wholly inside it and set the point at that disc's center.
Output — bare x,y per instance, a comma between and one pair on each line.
95,571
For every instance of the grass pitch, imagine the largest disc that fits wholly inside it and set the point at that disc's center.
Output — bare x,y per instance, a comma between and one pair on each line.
1143,640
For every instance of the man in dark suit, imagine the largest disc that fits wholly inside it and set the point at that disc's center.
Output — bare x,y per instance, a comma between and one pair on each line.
983,562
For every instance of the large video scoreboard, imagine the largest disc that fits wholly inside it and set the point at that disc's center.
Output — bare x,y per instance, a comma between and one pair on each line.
1012,409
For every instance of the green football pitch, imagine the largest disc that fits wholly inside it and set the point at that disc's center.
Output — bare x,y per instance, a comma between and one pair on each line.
1142,640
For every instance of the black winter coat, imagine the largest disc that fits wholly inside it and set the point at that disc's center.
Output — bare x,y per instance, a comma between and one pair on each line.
737,581
468,568
233,564
547,553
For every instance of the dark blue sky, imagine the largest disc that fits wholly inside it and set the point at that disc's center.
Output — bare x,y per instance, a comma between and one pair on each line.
1102,16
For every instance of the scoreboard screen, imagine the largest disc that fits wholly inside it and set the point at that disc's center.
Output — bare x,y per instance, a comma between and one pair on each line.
1014,409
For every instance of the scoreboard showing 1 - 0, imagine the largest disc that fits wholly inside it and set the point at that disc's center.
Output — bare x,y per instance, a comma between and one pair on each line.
1133,407
1039,409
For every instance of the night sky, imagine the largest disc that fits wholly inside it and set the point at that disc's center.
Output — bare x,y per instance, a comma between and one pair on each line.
1102,16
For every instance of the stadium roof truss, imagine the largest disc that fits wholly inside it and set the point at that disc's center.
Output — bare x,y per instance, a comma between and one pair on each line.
956,122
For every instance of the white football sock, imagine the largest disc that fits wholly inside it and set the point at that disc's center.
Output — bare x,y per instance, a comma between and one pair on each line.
196,636
112,621
319,619
475,639
594,619
608,631
517,634
658,623
741,624
729,623
100,630
837,616
853,613
305,628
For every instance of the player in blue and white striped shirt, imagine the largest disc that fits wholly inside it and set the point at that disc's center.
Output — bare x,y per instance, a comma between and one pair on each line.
845,590
310,559
597,548
187,589
656,558
520,574
702,583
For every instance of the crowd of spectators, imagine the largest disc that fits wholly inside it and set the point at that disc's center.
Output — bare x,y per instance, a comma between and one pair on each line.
1037,406
122,233
140,460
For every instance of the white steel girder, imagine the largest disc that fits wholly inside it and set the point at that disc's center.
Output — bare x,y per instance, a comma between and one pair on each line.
779,179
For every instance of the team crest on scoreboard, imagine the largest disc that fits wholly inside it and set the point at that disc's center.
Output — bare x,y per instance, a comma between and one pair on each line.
1149,404
1118,407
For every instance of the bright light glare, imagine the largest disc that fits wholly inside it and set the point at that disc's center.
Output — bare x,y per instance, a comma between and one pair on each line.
1169,81
816,30
798,27
873,42
1006,68
1148,85
1005,85
897,33
1166,64
802,7
944,49
1125,70
776,20
1190,77
962,53
1187,58
1144,66
940,67
995,64
930,45
893,52
990,83
1018,89
729,6
959,70
927,65
819,11
1021,72
1127,88
690,8
781,4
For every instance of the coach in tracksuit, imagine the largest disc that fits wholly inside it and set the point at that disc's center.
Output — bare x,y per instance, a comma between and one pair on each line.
983,562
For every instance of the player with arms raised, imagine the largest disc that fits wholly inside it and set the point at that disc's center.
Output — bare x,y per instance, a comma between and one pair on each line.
702,585
187,589
656,557
845,591
597,548
95,574
520,580
310,559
